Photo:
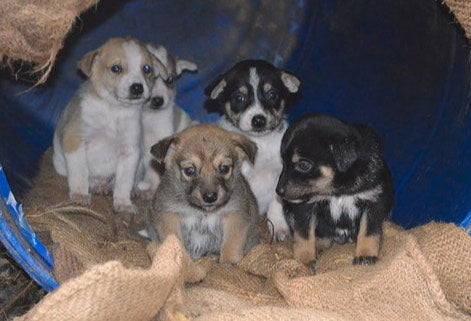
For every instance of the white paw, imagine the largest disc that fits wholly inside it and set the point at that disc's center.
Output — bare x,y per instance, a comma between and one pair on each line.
276,221
144,191
281,234
81,199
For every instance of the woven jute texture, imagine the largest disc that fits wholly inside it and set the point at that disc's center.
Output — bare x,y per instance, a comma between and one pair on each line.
462,11
106,273
34,31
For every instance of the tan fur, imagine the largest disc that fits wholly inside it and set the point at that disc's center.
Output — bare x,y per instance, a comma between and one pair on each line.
232,249
229,222
170,225
98,62
305,249
267,87
367,245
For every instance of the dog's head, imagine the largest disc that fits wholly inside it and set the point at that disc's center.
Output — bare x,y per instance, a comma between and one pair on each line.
164,90
317,152
205,162
253,95
121,70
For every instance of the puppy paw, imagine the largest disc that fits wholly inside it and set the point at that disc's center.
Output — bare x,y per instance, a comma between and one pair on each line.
281,235
365,260
125,208
146,195
81,199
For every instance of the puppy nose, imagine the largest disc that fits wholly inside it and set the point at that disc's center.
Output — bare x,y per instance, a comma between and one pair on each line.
136,89
280,190
157,102
210,197
259,121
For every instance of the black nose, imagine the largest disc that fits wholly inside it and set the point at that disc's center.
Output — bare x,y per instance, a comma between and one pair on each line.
156,102
259,121
210,197
280,190
136,89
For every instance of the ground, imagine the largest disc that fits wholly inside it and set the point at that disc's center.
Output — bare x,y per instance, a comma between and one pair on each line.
18,292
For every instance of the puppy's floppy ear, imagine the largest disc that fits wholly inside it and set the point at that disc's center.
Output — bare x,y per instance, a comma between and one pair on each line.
158,53
216,87
86,63
246,148
291,82
182,65
164,149
345,153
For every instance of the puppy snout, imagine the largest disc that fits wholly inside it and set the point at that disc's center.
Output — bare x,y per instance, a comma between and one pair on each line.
156,102
280,190
259,121
136,89
210,197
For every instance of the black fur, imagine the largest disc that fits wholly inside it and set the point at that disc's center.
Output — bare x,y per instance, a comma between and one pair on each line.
239,76
355,155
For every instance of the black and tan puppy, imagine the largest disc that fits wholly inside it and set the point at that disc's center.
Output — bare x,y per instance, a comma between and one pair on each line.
335,185
203,198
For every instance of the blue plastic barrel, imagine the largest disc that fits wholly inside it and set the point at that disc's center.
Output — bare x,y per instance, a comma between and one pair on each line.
402,67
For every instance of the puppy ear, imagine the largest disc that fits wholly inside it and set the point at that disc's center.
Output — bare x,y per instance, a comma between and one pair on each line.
164,149
86,63
246,148
345,153
290,81
216,87
159,53
182,65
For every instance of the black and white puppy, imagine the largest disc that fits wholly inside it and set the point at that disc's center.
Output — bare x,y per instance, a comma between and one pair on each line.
336,186
252,98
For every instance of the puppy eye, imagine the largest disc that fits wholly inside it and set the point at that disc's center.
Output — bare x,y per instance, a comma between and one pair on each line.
223,169
147,69
170,81
303,166
272,94
190,171
239,98
116,69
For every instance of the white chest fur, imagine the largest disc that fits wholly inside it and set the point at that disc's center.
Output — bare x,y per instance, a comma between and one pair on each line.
202,234
348,204
263,175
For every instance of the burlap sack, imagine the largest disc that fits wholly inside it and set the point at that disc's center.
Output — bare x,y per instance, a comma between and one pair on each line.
112,292
34,31
462,11
424,274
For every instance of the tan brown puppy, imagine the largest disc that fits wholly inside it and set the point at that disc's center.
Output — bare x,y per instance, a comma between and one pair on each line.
203,198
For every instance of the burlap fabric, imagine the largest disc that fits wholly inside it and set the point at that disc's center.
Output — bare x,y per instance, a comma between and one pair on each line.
461,9
34,31
414,280
422,274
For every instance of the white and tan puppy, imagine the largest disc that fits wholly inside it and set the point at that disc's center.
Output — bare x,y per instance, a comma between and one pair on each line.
161,117
97,138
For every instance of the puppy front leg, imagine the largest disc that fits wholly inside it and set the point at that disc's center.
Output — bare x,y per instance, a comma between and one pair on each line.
234,230
148,185
168,224
78,175
368,241
128,159
277,218
304,246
